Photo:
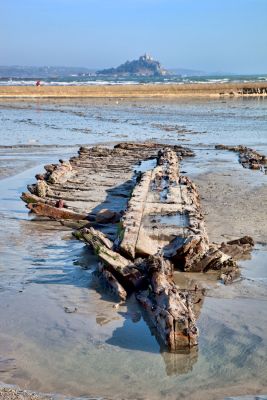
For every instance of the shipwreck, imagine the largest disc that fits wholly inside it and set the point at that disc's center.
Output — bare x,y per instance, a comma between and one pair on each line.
143,219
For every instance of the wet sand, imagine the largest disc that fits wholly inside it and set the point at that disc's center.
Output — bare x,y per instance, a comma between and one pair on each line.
234,199
105,352
18,158
232,181
137,91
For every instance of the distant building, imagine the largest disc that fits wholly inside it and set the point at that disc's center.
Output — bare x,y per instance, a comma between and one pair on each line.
146,57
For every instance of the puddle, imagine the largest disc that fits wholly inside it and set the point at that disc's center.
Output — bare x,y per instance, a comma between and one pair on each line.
252,283
146,165
256,267
179,220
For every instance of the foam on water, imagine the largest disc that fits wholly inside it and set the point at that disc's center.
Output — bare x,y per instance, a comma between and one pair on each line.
74,80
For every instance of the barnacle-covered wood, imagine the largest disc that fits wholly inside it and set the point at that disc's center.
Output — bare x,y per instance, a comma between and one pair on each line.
161,228
164,217
248,157
32,198
170,310
61,172
238,248
123,270
97,175
111,283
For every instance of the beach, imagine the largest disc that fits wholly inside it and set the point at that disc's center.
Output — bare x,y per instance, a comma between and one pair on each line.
137,90
96,350
133,200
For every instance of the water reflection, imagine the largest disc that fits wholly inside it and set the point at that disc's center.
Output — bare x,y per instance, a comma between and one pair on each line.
178,364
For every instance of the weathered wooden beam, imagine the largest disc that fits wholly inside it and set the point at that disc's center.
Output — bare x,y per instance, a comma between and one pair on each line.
32,198
79,224
164,217
238,248
111,283
122,268
132,219
163,206
169,309
181,151
163,224
46,210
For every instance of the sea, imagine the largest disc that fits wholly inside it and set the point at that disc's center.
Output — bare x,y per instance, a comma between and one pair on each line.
59,330
84,80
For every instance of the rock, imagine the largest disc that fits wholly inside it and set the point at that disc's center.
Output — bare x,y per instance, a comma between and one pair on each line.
40,177
106,216
50,167
70,310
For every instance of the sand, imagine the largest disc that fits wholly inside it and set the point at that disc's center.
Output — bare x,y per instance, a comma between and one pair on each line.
137,91
8,393
233,205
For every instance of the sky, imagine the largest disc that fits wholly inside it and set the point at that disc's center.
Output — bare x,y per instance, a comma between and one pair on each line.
206,35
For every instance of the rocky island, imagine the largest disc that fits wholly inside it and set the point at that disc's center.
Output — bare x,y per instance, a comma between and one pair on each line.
144,66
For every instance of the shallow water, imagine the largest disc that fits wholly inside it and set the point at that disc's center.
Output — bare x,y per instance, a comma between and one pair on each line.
179,220
59,331
205,122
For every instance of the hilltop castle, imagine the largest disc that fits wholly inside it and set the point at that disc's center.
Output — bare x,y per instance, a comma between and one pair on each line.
144,66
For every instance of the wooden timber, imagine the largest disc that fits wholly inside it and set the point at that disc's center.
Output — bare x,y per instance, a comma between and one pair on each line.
164,217
98,175
169,309
248,157
161,228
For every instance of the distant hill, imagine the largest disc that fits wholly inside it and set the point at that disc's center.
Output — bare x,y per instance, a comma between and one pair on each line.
16,71
144,66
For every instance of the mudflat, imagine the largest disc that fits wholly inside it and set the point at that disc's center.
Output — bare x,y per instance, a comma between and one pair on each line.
137,90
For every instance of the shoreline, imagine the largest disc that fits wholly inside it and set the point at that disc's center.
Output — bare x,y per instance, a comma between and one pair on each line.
249,89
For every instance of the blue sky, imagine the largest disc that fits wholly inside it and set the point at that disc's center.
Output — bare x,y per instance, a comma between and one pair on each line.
209,35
